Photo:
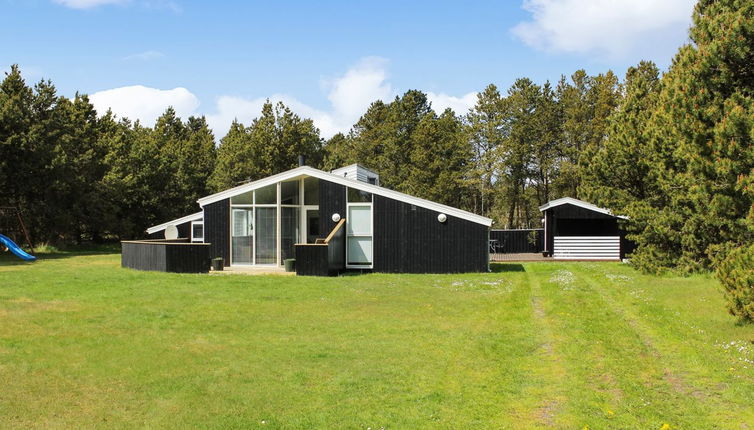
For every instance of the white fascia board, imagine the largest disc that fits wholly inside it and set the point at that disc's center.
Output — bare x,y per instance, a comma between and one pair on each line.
250,186
351,183
579,203
193,217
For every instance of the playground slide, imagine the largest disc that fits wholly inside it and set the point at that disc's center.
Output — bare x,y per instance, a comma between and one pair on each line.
20,253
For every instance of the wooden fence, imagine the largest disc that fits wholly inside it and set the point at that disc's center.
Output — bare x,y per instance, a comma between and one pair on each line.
177,256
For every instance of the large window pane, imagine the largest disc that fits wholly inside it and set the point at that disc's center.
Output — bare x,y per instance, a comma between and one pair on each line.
243,235
267,195
358,196
289,194
359,220
289,231
243,199
312,225
266,230
311,191
360,250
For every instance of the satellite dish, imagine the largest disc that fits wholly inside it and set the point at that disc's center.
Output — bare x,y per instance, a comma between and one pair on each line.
442,217
335,217
171,232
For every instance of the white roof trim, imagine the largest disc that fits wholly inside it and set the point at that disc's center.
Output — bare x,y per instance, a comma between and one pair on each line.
352,183
193,217
579,203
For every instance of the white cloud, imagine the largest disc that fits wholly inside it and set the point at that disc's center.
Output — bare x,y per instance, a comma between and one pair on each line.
460,105
349,94
352,93
88,4
144,103
614,28
144,56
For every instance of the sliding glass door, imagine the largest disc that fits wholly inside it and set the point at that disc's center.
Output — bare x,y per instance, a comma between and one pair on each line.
243,235
266,243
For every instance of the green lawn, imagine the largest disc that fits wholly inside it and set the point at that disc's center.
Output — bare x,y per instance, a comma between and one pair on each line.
84,343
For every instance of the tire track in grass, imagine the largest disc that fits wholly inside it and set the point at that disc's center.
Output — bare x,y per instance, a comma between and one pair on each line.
604,358
550,367
673,370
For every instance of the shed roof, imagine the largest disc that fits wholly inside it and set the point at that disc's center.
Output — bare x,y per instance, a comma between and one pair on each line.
580,203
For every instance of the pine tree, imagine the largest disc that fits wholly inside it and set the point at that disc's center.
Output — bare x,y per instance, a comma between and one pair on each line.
270,145
234,159
704,124
440,160
487,131
617,174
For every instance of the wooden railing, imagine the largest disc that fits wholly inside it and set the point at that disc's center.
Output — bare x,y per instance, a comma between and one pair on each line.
324,257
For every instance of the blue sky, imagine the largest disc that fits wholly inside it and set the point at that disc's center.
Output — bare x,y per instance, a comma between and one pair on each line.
328,60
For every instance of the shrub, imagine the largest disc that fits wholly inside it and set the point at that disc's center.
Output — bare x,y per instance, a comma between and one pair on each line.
736,274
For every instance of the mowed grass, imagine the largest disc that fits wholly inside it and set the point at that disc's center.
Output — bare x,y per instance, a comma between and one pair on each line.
84,343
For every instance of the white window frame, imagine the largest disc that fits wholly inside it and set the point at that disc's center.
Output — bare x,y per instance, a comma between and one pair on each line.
371,230
278,218
197,239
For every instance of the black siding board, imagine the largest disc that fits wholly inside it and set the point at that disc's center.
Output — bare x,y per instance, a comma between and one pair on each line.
575,212
409,239
165,257
217,229
311,260
332,199
336,251
517,241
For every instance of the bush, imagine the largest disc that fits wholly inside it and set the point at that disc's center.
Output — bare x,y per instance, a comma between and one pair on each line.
736,274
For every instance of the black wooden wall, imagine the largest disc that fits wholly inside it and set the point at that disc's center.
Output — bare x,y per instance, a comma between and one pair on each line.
217,229
165,256
409,239
332,199
311,260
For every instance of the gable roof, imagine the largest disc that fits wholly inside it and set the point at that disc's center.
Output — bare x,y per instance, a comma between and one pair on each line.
193,217
351,183
579,203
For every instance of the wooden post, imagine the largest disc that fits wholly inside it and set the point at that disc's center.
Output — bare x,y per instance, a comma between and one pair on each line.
23,229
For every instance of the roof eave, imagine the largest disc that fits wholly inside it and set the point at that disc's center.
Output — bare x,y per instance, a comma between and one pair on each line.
363,186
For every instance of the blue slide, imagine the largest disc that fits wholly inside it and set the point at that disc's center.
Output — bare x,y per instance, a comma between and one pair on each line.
20,253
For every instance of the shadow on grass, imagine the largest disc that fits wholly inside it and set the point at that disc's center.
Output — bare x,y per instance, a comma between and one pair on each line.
506,267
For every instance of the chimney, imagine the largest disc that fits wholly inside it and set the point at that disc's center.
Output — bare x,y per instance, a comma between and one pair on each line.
301,160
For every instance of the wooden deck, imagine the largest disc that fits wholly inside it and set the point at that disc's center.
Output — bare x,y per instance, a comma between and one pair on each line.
498,257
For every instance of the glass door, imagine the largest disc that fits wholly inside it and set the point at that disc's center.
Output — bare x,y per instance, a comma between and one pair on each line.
243,236
359,236
265,248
